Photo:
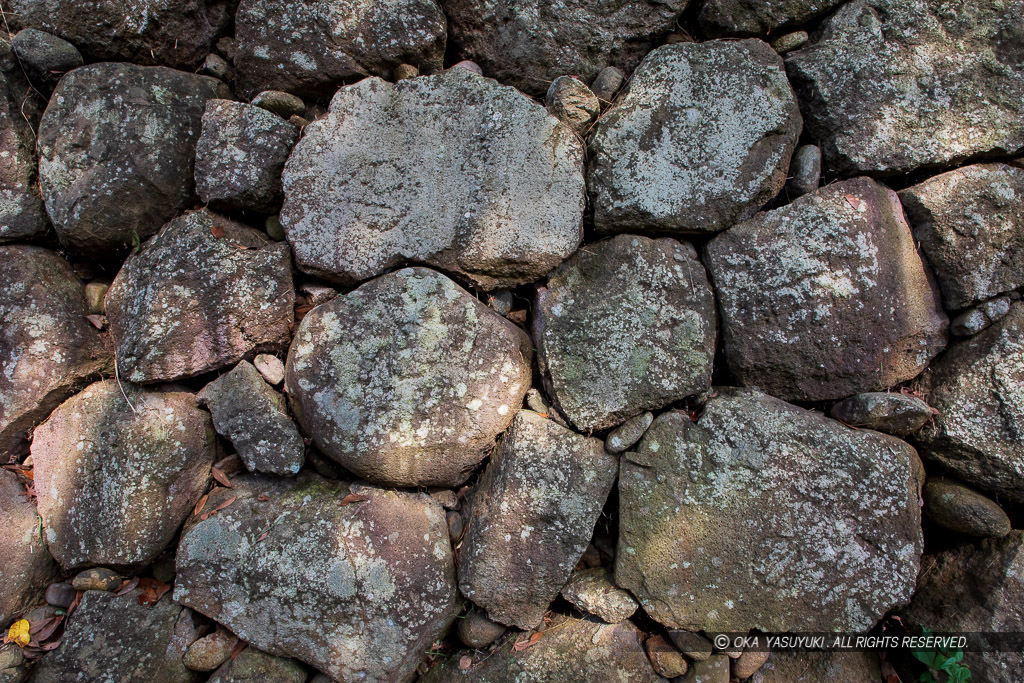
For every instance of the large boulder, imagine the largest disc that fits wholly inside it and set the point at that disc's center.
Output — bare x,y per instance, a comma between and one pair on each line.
479,180
530,43
701,138
407,380
624,326
117,473
177,33
978,389
22,216
312,48
116,638
47,347
28,566
970,223
204,293
758,17
827,296
117,147
530,518
356,581
733,523
896,85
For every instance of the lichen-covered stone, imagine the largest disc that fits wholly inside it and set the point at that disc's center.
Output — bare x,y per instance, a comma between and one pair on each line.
253,666
177,33
978,389
700,139
407,380
356,588
758,17
818,667
628,433
607,84
570,650
21,207
312,48
713,669
47,347
281,103
804,171
624,326
530,43
44,56
963,510
975,588
117,151
593,591
115,638
478,180
476,631
28,566
114,480
889,412
970,223
191,301
827,296
571,101
733,523
209,652
254,417
530,518
896,85
240,156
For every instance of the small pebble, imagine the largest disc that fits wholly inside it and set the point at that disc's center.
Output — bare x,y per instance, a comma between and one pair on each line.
218,67
889,412
298,121
995,309
805,171
163,569
275,230
570,101
749,662
666,660
317,294
404,71
96,579
469,66
44,56
628,433
209,652
693,645
963,510
536,402
94,294
270,367
281,103
608,83
969,323
228,47
593,591
714,669
475,630
455,525
61,594
674,38
446,497
789,42
500,301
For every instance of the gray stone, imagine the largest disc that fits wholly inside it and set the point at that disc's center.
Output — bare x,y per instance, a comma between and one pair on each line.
970,223
607,83
140,464
275,230
667,661
404,71
790,41
407,380
190,302
501,301
963,510
625,326
312,48
538,403
975,588
254,418
47,348
240,156
714,669
804,171
531,516
978,388
28,567
117,149
228,47
593,591
22,216
693,645
506,218
177,33
218,67
700,139
364,586
572,102
44,56
892,413
270,367
897,85
114,638
96,579
476,631
827,296
628,433
969,323
733,523
14,668
996,309
818,667
209,652
61,595
253,666
758,17
470,66
283,104
530,43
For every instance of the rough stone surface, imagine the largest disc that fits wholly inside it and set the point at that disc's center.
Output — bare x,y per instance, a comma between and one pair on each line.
44,56
572,102
351,581
607,84
895,85
790,41
479,180
570,650
476,631
827,296
14,668
96,579
28,567
240,156
701,138
624,326
408,379
628,433
974,588
970,223
117,151
283,104
312,48
963,510
530,43
134,476
667,660
747,664
254,418
114,638
531,517
804,171
693,645
593,591
733,523
270,367
978,389
714,669
757,17
817,667
190,302
22,216
209,652
253,666
176,33
892,413
47,347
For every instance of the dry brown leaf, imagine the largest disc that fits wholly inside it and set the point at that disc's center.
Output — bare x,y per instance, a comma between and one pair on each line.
523,644
229,501
201,504
48,630
152,591
98,321
465,662
855,202
126,586
263,498
221,478
352,498
217,231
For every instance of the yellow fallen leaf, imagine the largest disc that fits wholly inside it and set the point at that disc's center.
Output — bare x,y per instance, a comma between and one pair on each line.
18,633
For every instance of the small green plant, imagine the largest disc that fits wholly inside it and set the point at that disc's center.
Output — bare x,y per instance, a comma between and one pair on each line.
947,662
